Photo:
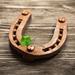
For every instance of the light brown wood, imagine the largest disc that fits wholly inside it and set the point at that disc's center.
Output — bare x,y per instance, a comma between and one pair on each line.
44,14
36,52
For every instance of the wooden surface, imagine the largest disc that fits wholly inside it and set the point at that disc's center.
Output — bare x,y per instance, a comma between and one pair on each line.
41,28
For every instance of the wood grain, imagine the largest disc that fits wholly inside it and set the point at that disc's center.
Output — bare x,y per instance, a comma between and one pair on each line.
41,27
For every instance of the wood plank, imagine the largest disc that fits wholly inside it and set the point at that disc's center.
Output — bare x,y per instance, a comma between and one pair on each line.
44,15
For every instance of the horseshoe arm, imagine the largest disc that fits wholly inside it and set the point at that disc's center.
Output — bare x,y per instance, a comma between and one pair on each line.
60,34
35,52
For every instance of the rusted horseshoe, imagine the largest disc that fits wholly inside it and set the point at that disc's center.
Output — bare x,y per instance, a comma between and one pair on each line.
36,52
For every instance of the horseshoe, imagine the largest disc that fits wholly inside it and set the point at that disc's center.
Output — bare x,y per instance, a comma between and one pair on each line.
32,52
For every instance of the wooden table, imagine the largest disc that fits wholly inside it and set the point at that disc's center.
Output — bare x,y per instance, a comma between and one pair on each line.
41,28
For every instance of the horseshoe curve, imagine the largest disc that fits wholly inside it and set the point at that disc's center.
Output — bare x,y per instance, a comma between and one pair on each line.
35,52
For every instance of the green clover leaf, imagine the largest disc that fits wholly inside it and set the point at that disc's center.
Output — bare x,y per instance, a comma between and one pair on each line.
25,40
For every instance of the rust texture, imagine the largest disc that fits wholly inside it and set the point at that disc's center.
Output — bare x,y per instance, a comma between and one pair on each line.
35,52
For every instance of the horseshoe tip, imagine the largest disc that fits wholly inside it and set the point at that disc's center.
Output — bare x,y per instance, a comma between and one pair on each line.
62,19
25,12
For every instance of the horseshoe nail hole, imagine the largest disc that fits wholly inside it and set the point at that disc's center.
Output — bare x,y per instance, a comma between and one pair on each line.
14,32
19,21
17,43
60,37
53,46
57,42
16,27
46,49
14,37
61,31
